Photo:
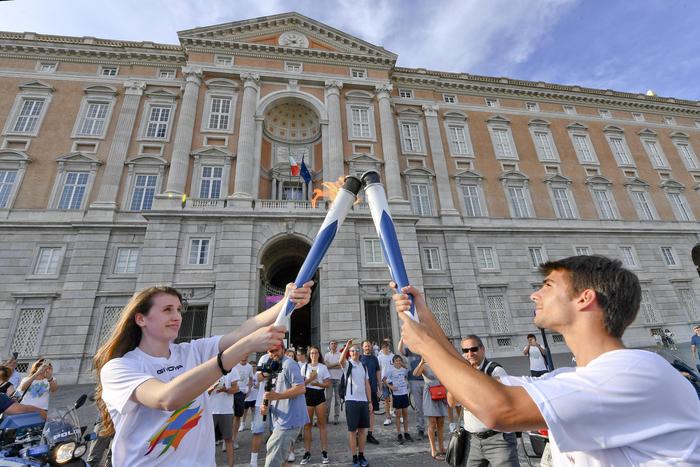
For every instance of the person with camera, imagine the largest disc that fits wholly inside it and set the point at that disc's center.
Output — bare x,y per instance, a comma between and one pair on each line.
151,391
286,404
38,386
358,402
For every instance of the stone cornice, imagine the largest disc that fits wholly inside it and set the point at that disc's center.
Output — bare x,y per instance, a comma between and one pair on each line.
523,89
34,37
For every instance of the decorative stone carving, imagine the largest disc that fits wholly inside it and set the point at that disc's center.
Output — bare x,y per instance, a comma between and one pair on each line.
134,87
250,79
430,110
333,86
293,39
383,90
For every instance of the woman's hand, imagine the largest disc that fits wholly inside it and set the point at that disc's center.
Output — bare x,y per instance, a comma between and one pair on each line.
267,337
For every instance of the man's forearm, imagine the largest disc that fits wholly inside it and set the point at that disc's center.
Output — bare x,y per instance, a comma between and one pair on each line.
292,392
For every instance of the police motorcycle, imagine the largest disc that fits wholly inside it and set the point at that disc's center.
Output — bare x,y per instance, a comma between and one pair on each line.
27,441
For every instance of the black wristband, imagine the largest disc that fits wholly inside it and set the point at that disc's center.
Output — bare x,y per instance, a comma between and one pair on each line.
220,362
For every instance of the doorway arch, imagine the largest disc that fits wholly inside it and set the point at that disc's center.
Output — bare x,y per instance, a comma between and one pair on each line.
695,254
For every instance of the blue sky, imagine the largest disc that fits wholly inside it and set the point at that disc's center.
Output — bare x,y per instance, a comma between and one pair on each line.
625,45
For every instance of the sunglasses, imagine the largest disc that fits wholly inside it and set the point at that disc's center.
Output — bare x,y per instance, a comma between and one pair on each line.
470,349
354,350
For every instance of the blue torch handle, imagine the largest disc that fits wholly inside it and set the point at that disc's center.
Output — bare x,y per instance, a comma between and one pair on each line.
392,254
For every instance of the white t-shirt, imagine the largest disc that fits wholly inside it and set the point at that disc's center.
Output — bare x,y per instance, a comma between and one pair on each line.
537,362
397,377
355,387
222,402
332,358
245,372
37,394
385,362
471,423
626,407
322,374
145,436
253,392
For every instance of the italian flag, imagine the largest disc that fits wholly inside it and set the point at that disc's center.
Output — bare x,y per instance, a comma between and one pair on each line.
293,166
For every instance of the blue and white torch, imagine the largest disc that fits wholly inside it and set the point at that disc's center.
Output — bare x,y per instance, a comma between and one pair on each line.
378,206
342,204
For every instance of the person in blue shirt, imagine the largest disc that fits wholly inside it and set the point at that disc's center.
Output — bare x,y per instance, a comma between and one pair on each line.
695,346
371,362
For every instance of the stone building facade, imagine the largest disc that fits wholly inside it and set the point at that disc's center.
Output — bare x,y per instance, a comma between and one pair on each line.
486,177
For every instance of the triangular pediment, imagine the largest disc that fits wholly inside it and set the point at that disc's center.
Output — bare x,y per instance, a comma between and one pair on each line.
364,158
468,174
36,86
647,132
577,126
598,180
636,181
161,93
557,179
78,158
289,30
211,151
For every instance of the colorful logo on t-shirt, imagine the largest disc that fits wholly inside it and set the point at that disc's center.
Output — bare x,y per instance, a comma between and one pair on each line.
175,428
38,388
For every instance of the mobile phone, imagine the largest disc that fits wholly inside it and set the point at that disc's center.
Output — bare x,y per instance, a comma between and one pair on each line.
15,355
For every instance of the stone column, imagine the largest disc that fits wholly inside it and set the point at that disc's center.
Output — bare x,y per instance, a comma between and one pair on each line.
257,155
392,172
107,196
245,158
447,207
336,161
179,162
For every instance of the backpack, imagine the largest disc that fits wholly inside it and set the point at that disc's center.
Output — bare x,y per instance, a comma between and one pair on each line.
491,367
343,386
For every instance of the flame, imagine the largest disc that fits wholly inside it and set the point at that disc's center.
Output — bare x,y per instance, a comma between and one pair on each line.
329,191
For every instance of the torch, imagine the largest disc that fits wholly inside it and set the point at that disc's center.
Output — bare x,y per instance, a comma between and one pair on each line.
376,198
334,219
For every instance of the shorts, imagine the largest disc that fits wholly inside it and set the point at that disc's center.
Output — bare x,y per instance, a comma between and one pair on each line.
250,404
238,404
278,446
385,392
357,415
314,397
224,422
258,426
400,402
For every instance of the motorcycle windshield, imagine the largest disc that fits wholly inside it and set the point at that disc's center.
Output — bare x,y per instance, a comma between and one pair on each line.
61,426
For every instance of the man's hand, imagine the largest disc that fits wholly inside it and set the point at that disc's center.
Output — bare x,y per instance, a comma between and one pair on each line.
263,410
267,337
299,296
271,396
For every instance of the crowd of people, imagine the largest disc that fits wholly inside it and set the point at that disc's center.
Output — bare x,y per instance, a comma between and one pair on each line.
163,403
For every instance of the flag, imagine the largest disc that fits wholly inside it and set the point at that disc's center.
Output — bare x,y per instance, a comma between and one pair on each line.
305,174
293,166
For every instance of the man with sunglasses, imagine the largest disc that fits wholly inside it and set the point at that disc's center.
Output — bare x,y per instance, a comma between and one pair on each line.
485,445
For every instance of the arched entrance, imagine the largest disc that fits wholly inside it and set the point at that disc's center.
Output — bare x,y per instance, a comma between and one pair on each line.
280,263
695,253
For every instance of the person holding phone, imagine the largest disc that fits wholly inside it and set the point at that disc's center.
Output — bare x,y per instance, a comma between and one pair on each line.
317,379
36,388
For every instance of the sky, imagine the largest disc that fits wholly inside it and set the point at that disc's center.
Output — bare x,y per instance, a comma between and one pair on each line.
624,45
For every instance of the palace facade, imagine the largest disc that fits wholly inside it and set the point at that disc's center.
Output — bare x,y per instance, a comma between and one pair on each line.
486,178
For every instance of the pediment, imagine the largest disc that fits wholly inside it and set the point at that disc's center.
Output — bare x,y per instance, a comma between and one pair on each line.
101,89
557,179
288,30
577,126
409,112
468,174
211,151
646,132
12,155
636,181
672,184
538,122
418,172
513,175
455,115
162,93
78,158
613,129
36,86
365,159
147,159
679,134
498,119
598,180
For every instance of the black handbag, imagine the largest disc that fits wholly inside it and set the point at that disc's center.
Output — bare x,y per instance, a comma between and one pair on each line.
458,448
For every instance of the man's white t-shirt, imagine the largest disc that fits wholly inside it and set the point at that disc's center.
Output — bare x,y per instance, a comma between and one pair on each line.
332,358
626,407
537,362
37,394
145,436
253,392
385,362
222,402
245,372
322,374
397,377
355,386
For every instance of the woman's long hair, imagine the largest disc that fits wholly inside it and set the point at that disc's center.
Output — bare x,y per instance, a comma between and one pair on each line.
125,338
308,352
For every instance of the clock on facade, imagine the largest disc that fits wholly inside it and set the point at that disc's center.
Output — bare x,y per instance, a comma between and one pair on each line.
293,39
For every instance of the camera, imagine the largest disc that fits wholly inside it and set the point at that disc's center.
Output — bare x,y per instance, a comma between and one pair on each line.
270,370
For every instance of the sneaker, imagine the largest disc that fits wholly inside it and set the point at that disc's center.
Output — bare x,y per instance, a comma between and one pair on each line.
306,459
223,447
393,412
291,457
407,437
235,445
371,439
401,421
356,464
363,462
387,422
242,427
400,438
421,434
324,458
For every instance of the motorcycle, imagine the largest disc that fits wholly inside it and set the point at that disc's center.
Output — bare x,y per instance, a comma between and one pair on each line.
27,441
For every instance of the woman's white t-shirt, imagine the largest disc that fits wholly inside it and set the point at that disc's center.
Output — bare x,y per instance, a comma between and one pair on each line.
148,437
322,374
355,386
245,372
222,402
626,407
37,394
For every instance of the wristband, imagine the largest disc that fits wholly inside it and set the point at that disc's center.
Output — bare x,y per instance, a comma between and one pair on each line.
220,362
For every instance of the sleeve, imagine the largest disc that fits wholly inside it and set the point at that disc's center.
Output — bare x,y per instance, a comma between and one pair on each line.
119,381
325,374
499,372
206,348
233,377
294,374
5,402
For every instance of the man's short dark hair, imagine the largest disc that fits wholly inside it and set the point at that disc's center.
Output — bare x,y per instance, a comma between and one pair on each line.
531,335
386,344
474,337
617,289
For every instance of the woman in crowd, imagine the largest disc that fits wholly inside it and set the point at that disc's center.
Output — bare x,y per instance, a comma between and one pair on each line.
434,409
38,386
150,390
6,386
316,378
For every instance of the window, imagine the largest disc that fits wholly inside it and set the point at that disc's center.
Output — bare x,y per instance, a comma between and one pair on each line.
26,340
501,143
194,323
219,114
458,139
562,203
158,121
47,67
537,257
669,120
109,71
199,251
293,67
605,204
638,117
420,199
29,116
493,103
486,258
48,261
629,257
687,299
582,251
441,310
532,106
93,122
292,191
544,146
472,201
127,259
410,137
373,251
360,122
431,259
647,309
658,160
687,155
605,114
517,199
406,93
583,149
144,192
360,73
619,149
643,205
73,190
449,98
569,110
498,314
669,256
223,60
210,185
678,203
110,316
7,181
166,74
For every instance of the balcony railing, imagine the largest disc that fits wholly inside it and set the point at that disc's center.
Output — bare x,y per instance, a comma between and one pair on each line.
205,203
288,205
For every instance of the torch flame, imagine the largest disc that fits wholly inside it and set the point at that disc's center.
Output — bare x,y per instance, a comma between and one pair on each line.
329,191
